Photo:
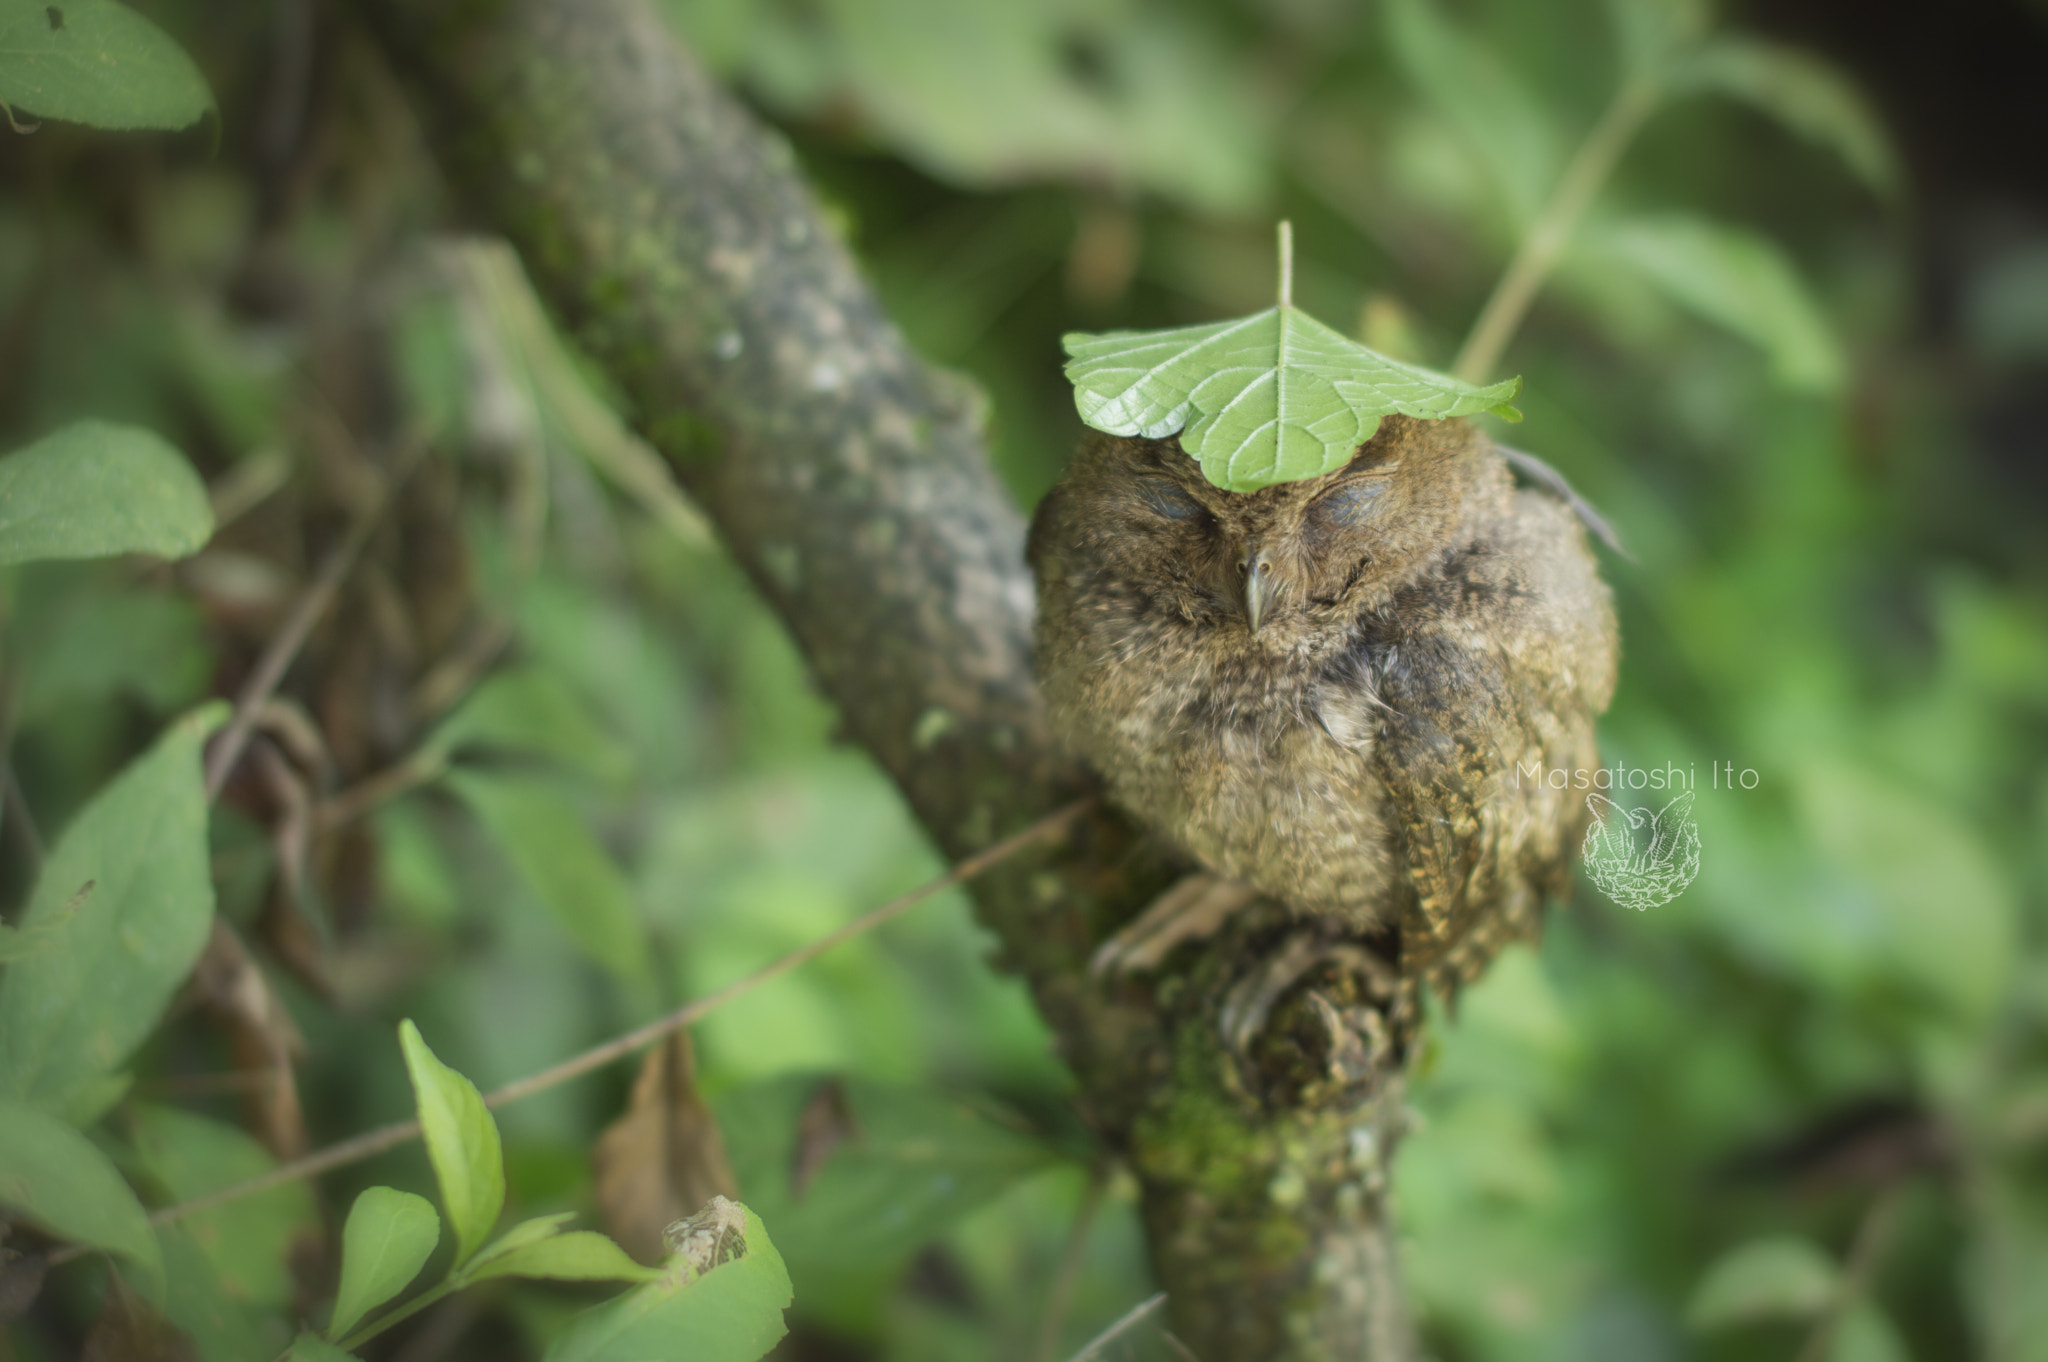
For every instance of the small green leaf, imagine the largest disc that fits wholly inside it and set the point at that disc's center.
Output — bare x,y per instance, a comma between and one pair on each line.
462,1143
120,912
570,873
1808,96
1783,1277
730,1313
1738,280
574,1256
246,1242
97,63
93,489
389,1237
1268,398
518,1237
313,1348
530,709
58,1179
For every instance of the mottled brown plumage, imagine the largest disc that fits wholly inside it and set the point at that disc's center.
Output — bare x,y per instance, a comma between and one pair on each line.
1423,630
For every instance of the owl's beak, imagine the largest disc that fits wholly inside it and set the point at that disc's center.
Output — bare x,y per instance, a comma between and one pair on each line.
1260,584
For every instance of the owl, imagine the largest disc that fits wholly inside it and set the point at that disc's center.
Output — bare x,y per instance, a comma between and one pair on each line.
1350,694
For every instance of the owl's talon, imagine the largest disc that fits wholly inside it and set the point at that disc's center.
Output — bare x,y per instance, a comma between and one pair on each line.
1192,910
1251,999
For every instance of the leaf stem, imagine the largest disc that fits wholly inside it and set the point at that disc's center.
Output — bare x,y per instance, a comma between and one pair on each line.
1286,263
363,1333
1547,235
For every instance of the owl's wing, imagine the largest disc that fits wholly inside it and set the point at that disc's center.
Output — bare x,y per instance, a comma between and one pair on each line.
1451,734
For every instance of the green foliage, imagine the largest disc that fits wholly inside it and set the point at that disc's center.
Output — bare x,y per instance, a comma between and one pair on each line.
59,1180
1155,104
124,904
533,710
462,1142
1273,397
568,1256
1806,95
542,833
246,1244
1738,279
907,1166
1784,1277
1839,587
731,1312
95,62
388,1238
94,489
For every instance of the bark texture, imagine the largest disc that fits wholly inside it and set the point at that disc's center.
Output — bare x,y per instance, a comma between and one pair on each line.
674,236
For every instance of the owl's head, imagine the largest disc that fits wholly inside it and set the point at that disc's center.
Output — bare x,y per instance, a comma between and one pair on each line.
1273,568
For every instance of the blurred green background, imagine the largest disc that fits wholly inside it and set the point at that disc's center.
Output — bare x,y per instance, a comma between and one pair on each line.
1792,351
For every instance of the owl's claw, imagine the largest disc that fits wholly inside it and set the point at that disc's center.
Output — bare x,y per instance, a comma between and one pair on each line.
1252,998
1195,908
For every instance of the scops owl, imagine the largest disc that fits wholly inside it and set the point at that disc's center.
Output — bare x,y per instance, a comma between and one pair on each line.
1347,693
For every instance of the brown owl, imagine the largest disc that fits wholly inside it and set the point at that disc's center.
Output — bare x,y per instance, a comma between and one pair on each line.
1346,693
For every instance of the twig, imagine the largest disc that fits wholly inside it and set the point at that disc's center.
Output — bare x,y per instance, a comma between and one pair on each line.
386,1137
421,768
284,645
1064,1278
1547,235
1872,1235
1131,1317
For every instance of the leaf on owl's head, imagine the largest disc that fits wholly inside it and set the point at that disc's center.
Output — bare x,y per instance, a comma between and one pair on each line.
1273,397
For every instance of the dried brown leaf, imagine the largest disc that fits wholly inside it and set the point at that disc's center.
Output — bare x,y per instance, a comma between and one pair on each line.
262,1036
664,1158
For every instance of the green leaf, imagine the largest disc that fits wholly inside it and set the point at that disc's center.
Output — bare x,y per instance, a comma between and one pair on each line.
113,639
518,1237
530,709
574,1256
197,1301
1268,398
121,910
93,489
730,1313
1651,33
1805,94
313,1348
97,63
1483,99
389,1237
59,1180
246,1242
1738,280
462,1143
909,1165
570,873
1866,1335
1782,1277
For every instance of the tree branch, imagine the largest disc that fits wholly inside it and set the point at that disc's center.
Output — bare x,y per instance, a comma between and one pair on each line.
674,236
